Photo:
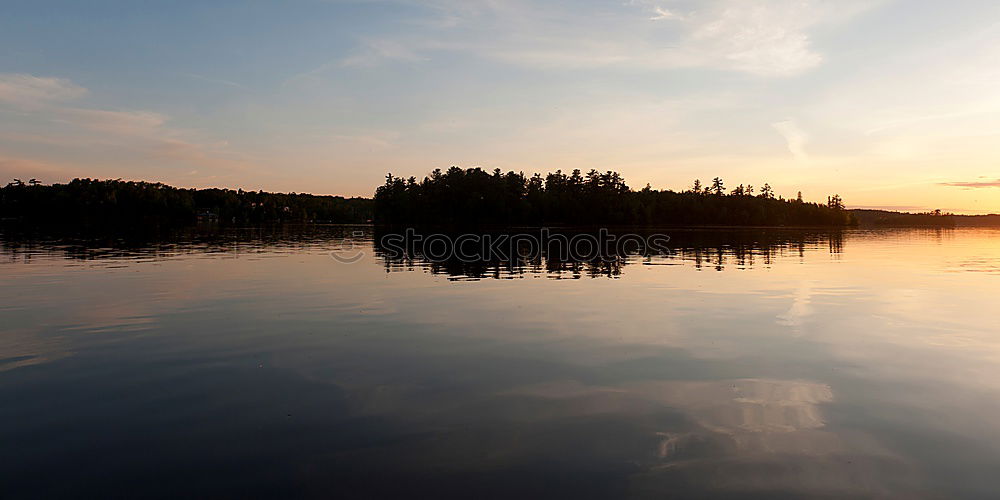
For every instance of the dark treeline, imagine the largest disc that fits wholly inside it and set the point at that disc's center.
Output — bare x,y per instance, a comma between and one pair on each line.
473,196
116,202
884,218
977,220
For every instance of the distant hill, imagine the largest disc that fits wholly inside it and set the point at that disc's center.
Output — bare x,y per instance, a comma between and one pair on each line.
992,220
886,218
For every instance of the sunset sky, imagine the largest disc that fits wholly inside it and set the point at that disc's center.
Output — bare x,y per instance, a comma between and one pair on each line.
890,103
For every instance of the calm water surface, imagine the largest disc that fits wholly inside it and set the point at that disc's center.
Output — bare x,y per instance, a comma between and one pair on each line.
746,364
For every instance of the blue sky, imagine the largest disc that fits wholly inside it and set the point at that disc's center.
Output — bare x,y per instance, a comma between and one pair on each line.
887,102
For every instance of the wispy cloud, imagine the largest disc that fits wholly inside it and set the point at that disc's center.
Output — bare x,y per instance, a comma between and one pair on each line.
375,52
118,123
367,141
974,184
661,14
218,81
794,136
765,38
370,53
139,133
12,167
21,89
987,108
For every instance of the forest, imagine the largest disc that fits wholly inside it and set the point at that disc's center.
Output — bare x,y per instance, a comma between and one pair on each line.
134,203
452,197
473,196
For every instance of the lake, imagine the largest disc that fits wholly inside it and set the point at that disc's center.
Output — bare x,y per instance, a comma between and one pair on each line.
740,364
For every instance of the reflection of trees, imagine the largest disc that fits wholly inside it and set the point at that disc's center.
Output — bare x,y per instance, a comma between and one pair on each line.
161,244
703,249
836,243
712,249
512,269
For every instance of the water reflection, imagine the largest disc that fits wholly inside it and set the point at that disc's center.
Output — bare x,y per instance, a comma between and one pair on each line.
709,249
743,363
151,246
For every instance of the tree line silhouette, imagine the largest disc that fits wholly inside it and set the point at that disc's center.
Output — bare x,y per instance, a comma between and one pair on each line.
118,202
473,196
453,197
935,218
